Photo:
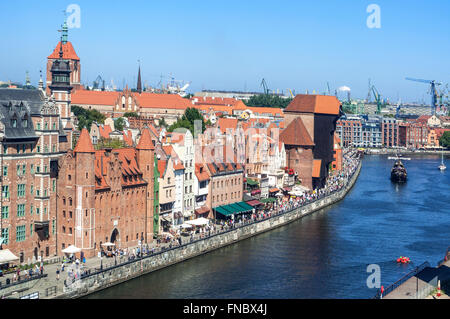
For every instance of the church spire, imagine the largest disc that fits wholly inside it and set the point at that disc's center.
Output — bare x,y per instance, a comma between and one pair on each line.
139,84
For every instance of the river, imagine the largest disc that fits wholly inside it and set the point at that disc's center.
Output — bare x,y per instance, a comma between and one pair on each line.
324,255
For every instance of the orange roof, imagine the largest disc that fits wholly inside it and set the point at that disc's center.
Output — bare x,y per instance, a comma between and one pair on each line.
128,137
201,172
131,175
155,100
145,141
104,130
178,165
296,134
162,167
227,123
316,168
207,100
68,52
94,97
84,144
306,103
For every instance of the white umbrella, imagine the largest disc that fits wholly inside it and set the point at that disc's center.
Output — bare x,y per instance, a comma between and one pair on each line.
71,250
108,244
185,226
7,256
198,222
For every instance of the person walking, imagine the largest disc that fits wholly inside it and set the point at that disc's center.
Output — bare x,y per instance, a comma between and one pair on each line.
57,273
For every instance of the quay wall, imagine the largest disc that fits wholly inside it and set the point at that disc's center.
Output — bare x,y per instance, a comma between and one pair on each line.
132,269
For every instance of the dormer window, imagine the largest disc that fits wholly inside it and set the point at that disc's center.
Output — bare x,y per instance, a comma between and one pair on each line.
25,123
14,123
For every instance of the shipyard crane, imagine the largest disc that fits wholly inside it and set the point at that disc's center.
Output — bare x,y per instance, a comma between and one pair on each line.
290,92
265,87
328,89
99,81
377,97
433,92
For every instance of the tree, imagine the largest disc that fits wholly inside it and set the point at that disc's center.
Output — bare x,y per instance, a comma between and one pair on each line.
131,114
113,143
268,100
86,117
445,139
188,120
119,124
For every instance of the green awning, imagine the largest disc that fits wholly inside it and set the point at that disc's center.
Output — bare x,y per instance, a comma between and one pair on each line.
222,211
252,182
245,207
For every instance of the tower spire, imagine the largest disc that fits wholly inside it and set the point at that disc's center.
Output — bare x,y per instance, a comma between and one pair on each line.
139,84
65,30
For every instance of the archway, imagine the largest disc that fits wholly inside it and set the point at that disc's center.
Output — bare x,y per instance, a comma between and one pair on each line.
114,235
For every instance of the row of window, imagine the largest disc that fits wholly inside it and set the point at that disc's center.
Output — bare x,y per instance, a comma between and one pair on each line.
234,195
219,184
21,190
21,232
21,211
22,169
22,148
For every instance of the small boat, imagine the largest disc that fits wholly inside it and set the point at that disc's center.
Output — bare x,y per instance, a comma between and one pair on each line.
442,167
403,260
398,172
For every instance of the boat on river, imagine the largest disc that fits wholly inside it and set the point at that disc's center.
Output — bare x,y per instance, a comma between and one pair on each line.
398,172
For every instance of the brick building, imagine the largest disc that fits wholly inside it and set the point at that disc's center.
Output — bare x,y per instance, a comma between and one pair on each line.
309,136
105,195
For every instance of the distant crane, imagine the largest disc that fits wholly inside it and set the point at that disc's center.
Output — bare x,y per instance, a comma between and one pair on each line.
377,97
99,82
433,92
265,87
290,92
328,89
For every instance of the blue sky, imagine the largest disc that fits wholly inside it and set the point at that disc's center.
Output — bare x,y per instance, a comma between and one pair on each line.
232,45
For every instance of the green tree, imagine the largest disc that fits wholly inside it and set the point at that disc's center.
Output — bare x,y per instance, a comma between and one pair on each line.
86,117
110,143
119,124
188,120
131,114
445,139
268,100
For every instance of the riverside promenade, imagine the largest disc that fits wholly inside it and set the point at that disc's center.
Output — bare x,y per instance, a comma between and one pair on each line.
97,274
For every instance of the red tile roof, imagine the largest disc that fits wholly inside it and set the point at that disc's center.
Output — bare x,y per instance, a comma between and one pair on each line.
94,97
316,168
322,104
227,123
296,134
68,52
201,172
155,100
145,141
128,137
84,143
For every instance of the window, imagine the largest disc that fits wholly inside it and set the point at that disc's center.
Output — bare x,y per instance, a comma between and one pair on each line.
5,235
64,229
70,214
5,170
14,123
38,149
31,229
24,148
38,210
21,190
21,210
5,149
20,233
31,189
24,169
5,212
5,191
38,169
54,126
38,126
54,185
53,226
46,126
31,210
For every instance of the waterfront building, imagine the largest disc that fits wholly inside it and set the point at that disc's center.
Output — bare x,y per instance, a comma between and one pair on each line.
309,135
32,141
182,143
371,132
167,189
349,130
337,158
104,195
389,132
201,189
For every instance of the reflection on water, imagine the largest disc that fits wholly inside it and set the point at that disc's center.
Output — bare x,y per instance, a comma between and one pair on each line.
324,255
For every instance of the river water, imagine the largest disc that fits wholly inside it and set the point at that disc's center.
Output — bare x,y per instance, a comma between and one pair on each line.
324,255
